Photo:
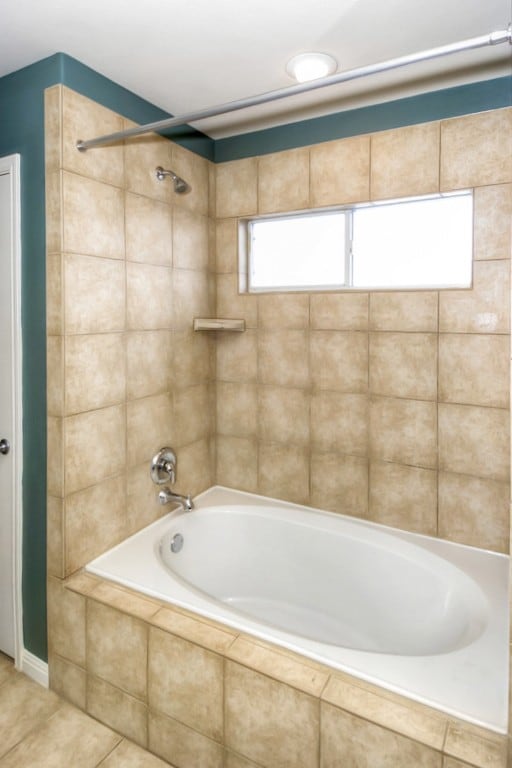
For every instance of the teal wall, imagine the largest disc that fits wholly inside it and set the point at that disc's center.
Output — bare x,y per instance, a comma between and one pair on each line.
22,131
437,105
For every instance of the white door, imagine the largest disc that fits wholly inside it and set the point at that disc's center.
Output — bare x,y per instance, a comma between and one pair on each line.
9,336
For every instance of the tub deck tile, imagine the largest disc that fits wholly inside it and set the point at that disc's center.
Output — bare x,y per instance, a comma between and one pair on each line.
270,722
353,742
202,633
125,600
279,665
182,746
450,762
83,583
418,723
457,743
475,745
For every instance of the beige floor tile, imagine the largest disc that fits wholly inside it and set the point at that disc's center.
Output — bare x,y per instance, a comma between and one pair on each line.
129,755
24,705
39,730
69,738
6,668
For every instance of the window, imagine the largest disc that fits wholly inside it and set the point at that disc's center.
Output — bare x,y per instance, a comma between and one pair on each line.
301,251
410,243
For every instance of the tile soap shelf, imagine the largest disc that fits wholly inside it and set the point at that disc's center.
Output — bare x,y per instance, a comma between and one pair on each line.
218,324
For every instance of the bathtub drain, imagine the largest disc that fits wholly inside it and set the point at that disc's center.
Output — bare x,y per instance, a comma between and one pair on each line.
177,542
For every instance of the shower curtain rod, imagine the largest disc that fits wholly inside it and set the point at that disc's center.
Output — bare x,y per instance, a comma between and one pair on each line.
493,38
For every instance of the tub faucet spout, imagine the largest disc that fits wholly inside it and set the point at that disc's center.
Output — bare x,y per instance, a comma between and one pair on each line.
166,495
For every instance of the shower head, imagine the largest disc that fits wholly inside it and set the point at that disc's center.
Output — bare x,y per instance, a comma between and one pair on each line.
180,185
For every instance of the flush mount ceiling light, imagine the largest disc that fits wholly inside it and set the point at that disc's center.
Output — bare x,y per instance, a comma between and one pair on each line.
311,66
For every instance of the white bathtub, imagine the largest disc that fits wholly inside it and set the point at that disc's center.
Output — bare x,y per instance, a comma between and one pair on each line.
416,615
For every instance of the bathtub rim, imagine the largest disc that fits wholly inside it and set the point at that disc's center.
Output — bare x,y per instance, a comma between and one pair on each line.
227,495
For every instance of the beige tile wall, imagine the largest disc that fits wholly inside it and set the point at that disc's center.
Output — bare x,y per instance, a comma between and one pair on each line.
128,268
392,406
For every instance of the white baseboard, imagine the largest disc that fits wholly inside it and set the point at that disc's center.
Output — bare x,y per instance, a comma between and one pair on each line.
33,667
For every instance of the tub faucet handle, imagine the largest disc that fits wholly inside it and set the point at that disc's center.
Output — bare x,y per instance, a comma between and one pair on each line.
163,467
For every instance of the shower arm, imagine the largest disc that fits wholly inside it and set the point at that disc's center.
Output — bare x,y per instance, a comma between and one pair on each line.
493,38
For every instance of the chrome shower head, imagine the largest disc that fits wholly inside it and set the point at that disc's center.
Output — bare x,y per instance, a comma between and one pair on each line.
180,185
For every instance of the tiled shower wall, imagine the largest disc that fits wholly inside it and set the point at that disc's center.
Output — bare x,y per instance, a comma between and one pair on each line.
128,268
391,406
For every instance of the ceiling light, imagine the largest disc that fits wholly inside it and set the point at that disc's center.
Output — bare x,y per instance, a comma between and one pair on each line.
311,66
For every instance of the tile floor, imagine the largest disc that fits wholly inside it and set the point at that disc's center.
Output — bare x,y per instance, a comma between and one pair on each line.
40,730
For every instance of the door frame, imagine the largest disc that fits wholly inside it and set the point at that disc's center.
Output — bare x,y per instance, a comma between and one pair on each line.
11,165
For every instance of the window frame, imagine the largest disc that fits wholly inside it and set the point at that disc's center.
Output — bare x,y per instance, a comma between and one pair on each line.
245,239
288,216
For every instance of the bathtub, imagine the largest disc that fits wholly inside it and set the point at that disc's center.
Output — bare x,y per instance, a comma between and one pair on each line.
420,616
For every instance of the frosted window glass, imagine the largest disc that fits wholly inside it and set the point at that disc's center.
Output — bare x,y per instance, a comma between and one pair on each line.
409,243
298,251
414,244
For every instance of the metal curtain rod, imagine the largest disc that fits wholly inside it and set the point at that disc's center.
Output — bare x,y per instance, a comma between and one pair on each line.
493,38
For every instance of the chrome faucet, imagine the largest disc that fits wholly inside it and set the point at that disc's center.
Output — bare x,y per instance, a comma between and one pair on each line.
166,495
163,470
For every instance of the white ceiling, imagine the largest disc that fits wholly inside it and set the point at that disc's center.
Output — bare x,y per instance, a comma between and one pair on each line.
192,54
